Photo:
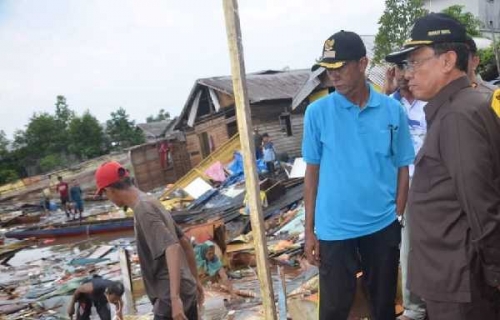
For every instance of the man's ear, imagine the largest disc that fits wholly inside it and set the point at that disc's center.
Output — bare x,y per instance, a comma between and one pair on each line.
449,60
363,63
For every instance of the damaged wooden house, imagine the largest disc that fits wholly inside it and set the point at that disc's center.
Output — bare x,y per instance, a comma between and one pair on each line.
208,118
163,159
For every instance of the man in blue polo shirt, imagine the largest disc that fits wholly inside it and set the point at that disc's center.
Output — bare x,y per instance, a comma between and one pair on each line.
357,147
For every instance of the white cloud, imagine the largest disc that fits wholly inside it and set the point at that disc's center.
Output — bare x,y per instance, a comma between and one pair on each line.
144,55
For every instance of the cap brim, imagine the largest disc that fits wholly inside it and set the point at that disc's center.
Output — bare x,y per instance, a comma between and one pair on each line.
330,65
399,56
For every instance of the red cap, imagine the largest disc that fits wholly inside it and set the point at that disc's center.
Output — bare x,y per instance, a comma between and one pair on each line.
107,174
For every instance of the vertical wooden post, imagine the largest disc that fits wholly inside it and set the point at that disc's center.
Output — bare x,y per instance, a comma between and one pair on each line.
244,121
282,294
127,281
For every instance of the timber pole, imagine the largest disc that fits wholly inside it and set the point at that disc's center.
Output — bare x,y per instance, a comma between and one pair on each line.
244,121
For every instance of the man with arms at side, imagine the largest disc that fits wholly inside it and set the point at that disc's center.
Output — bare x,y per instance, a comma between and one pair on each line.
357,148
454,201
166,256
414,306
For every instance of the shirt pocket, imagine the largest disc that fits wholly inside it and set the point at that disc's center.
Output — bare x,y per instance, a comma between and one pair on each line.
420,181
382,141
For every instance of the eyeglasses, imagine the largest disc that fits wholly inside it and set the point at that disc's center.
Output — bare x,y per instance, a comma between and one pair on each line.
412,65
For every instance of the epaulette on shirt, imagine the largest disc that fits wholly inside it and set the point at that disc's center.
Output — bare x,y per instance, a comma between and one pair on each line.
495,102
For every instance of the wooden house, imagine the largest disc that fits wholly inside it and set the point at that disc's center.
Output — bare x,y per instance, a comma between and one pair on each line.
159,163
208,118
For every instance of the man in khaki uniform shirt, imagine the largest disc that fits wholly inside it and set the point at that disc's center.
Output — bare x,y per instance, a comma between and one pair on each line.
454,260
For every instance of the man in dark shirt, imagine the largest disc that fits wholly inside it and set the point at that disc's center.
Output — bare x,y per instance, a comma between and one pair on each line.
166,256
454,201
100,293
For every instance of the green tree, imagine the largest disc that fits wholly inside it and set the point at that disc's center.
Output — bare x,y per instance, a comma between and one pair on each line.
86,137
63,113
395,26
488,65
472,24
4,145
63,116
50,162
40,137
8,171
162,115
122,132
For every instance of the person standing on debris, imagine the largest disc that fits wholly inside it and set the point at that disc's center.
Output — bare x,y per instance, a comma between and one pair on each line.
46,200
166,256
76,197
63,189
357,148
454,201
209,265
269,153
100,293
474,61
258,143
414,306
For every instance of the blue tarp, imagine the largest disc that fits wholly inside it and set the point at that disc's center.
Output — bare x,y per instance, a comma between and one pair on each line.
236,167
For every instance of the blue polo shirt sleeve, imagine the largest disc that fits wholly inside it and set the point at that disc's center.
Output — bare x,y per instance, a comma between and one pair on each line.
311,140
405,154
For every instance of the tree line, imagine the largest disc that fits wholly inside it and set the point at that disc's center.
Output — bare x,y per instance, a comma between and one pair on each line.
56,140
398,18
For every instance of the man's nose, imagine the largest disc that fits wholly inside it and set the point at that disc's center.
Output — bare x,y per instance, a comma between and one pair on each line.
408,74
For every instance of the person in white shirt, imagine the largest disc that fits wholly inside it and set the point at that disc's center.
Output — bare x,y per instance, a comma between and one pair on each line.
396,86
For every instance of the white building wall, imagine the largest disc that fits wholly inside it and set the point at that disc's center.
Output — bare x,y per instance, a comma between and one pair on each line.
485,10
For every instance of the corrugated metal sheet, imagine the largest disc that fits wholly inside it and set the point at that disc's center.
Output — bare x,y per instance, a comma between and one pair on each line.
154,129
268,85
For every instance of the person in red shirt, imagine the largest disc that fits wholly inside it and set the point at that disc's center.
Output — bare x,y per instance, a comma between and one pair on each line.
63,189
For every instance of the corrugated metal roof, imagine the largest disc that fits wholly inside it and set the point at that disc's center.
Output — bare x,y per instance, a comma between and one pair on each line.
154,129
262,86
375,73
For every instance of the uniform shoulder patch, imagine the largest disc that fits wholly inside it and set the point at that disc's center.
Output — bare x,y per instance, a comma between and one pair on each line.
495,102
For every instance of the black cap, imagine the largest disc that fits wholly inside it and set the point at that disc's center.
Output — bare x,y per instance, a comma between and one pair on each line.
430,29
339,48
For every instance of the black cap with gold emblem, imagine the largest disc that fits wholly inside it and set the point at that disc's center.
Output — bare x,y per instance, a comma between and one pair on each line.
339,48
430,29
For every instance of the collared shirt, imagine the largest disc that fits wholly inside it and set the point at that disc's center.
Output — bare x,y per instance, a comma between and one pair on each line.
416,122
454,198
359,152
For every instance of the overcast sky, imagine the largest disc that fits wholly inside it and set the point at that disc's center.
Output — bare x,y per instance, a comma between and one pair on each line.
144,55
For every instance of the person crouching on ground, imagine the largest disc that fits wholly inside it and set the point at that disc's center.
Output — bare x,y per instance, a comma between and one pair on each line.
210,267
100,293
